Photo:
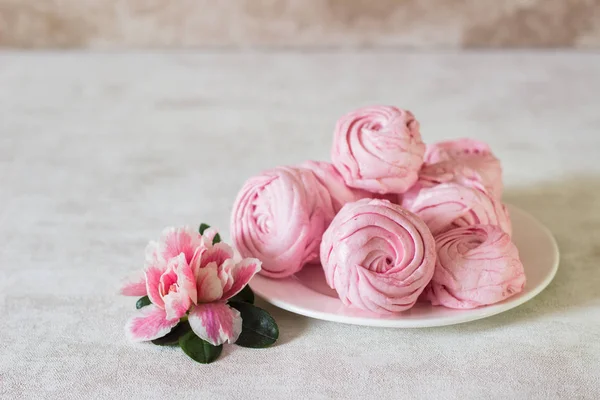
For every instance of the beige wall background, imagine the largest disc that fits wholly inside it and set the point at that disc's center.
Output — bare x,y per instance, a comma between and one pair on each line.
120,24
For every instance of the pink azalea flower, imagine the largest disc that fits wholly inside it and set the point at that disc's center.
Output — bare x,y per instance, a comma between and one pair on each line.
171,288
186,274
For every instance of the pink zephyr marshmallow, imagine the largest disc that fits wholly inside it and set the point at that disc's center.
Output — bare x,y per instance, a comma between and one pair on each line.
378,149
329,177
279,217
451,205
378,256
476,266
465,161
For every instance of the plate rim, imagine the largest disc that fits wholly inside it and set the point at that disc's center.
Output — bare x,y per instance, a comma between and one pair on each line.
471,315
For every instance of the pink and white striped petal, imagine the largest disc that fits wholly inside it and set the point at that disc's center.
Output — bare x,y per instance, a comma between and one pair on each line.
134,286
187,281
225,274
176,304
168,280
174,286
208,284
153,275
241,273
175,241
197,259
218,253
217,323
149,323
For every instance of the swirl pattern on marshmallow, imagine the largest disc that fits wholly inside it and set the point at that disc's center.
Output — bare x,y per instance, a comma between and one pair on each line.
378,149
451,205
476,266
464,161
331,179
279,217
378,256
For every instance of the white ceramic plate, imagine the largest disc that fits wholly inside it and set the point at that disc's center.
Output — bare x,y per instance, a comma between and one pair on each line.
306,292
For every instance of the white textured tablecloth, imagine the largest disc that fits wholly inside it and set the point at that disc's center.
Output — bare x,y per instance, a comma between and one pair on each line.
98,152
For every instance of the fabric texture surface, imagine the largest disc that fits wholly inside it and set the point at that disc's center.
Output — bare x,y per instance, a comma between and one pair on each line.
99,152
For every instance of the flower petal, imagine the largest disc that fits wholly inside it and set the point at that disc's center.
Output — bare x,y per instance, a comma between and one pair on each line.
168,279
217,323
208,284
187,281
241,274
176,304
174,286
153,275
218,253
175,241
149,323
225,275
197,259
134,287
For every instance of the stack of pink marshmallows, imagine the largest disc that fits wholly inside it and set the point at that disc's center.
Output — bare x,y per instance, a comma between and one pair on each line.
390,219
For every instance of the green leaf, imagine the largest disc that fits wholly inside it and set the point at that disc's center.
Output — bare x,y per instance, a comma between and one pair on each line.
246,295
216,239
172,338
143,302
198,349
203,227
259,329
